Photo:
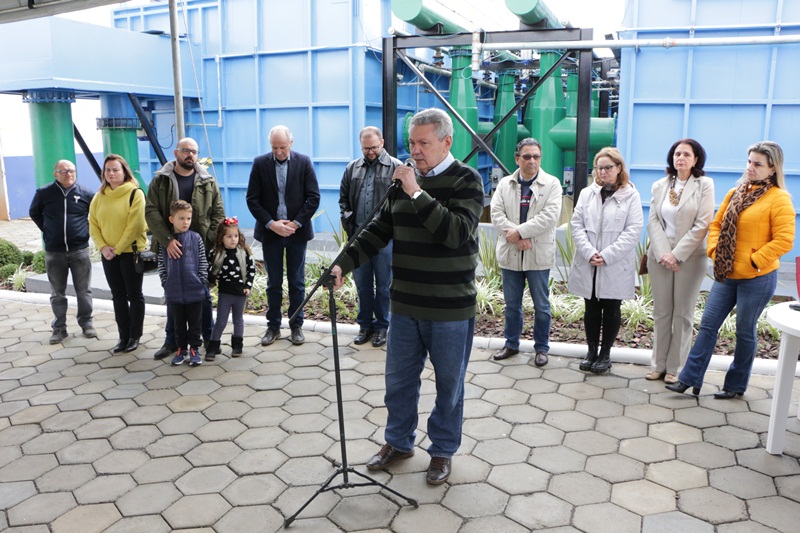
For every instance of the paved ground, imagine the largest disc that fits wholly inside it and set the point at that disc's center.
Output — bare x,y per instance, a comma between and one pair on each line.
91,441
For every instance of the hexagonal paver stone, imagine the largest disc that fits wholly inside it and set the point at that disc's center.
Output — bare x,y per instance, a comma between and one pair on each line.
310,423
148,414
205,480
699,417
305,471
776,512
120,462
501,451
491,523
621,427
410,520
675,433
615,468
643,497
742,482
293,498
789,487
486,428
99,429
648,413
220,430
182,423
580,488
213,453
270,437
33,415
48,443
201,510
185,404
257,461
254,490
647,450
599,408
570,421
712,505
87,519
135,437
161,469
14,492
731,437
605,518
66,421
104,489
537,435
274,382
358,512
244,518
539,511
591,442
63,478
677,475
706,455
305,445
518,478
28,468
557,459
226,410
552,402
675,521
41,509
475,499
771,465
152,498
466,468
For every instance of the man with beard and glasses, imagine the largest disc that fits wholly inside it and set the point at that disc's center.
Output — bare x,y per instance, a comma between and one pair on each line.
183,179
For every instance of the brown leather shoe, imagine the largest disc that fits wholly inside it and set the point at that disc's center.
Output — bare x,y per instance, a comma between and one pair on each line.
438,470
505,353
386,457
540,359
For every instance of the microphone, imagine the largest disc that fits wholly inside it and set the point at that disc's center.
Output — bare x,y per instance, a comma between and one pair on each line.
409,163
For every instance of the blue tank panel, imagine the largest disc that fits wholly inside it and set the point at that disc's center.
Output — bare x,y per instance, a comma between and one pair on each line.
726,97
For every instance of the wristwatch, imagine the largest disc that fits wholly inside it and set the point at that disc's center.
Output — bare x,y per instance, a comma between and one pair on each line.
416,194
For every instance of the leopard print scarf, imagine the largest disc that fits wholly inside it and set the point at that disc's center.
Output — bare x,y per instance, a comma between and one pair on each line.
745,196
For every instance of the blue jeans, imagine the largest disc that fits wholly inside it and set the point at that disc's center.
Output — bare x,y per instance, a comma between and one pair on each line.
372,283
410,342
750,297
513,287
208,321
58,265
295,252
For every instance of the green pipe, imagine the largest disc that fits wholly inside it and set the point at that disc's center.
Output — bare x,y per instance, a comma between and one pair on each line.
601,133
546,110
118,127
424,15
505,140
462,98
532,12
51,131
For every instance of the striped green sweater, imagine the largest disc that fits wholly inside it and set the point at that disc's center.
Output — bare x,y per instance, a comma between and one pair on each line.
435,249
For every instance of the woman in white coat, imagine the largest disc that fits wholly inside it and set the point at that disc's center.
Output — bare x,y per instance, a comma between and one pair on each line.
606,226
680,212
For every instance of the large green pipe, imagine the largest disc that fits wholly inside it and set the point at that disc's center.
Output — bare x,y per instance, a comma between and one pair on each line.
532,12
51,131
118,126
462,98
425,15
505,140
601,133
545,111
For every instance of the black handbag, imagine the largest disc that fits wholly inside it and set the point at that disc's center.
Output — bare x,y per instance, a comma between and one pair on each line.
143,261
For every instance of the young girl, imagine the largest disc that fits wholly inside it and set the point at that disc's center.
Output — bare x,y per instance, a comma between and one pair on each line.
233,268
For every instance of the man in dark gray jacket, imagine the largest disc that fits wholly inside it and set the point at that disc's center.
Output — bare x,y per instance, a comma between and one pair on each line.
364,183
61,211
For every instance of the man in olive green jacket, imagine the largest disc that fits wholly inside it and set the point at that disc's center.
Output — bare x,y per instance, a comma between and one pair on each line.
184,179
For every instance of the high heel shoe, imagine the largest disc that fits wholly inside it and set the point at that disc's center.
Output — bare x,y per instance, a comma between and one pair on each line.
120,347
132,345
682,387
726,395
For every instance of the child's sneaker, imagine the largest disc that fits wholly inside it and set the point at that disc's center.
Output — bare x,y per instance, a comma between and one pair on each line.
181,357
194,357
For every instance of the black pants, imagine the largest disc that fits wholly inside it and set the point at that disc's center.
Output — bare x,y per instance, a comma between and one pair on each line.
188,319
605,314
126,293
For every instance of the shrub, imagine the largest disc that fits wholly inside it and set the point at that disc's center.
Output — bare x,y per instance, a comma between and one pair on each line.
9,254
6,271
27,257
38,262
18,278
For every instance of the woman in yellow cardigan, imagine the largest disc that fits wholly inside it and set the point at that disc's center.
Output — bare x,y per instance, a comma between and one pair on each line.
116,220
753,228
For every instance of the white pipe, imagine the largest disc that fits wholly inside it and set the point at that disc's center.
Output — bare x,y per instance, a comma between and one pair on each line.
180,125
644,43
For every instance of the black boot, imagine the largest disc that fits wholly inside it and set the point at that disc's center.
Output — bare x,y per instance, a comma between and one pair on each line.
237,343
603,362
212,350
591,357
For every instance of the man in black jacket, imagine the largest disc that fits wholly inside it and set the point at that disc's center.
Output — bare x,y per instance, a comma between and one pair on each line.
283,195
61,211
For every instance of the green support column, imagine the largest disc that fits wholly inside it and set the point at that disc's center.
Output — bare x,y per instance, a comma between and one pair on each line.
547,110
462,98
505,140
118,125
51,131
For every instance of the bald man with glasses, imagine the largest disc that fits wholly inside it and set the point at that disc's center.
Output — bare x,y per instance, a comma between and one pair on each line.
61,211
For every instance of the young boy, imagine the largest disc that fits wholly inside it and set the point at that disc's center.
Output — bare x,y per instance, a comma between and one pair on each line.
184,281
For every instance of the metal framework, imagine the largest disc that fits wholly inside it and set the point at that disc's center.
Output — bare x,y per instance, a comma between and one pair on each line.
395,47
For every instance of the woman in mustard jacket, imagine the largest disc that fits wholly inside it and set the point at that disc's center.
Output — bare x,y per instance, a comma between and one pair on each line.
753,228
116,220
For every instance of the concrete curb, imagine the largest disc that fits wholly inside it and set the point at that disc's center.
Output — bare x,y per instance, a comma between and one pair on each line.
634,356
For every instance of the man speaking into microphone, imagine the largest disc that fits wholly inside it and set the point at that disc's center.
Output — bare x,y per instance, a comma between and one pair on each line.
433,222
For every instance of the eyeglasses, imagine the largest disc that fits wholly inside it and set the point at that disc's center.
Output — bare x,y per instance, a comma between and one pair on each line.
65,172
528,157
370,148
606,168
187,151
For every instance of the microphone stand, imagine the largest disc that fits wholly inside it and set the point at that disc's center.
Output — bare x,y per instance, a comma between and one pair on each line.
327,280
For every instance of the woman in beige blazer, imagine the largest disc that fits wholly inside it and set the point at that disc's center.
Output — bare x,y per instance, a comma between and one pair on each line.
681,210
